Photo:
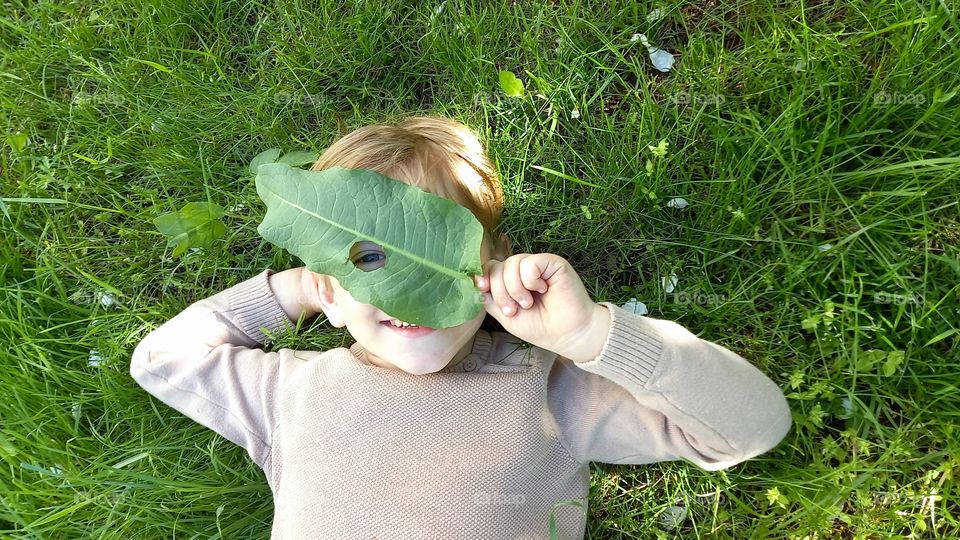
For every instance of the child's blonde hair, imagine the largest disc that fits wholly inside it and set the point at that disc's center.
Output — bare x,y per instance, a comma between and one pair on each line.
439,155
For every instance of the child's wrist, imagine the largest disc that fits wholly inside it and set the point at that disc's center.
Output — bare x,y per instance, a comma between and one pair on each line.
588,347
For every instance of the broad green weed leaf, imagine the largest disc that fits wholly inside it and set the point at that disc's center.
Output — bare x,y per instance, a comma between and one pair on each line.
866,360
511,85
17,141
894,359
432,245
197,224
267,156
298,158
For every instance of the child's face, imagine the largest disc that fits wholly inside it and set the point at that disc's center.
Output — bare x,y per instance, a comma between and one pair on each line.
394,348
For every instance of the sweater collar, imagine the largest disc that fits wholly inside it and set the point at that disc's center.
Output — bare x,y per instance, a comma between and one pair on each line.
478,356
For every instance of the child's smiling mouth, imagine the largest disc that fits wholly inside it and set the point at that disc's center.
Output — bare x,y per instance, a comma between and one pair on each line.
406,329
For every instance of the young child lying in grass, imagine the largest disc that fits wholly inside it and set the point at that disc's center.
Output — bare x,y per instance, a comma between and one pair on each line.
459,432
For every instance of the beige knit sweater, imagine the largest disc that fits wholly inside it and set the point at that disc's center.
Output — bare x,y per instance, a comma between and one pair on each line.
485,449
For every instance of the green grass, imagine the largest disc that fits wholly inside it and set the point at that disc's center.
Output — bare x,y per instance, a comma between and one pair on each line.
789,128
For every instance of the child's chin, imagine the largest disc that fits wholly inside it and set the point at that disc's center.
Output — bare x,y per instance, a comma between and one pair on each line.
421,369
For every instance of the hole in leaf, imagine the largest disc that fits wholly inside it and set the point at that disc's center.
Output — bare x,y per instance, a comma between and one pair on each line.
367,256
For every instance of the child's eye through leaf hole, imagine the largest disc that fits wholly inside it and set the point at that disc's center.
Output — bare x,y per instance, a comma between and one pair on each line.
367,262
367,256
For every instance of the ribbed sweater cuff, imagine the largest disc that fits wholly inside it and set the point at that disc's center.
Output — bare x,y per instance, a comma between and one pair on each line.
255,308
632,349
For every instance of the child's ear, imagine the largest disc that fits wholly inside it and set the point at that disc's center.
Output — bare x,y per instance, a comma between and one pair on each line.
327,301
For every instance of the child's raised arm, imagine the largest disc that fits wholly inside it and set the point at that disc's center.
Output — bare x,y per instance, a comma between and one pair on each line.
656,392
204,362
630,389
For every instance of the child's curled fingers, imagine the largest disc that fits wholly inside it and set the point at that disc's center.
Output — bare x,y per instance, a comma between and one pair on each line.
537,297
512,281
521,276
483,283
494,275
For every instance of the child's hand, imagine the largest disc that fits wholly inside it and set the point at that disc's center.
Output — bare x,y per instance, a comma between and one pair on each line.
296,291
540,299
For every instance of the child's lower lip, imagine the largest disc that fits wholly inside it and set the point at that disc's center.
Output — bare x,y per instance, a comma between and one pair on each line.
409,332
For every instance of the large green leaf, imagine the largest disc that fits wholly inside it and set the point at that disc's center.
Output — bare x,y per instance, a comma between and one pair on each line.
432,245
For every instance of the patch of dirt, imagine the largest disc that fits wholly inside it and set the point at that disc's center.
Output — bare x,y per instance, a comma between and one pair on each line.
946,233
611,104
841,530
823,10
732,41
715,17
694,13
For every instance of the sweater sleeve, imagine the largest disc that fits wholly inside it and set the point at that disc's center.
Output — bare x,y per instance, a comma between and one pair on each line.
204,363
656,392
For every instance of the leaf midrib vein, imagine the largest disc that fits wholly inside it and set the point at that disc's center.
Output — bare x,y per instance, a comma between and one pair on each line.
413,256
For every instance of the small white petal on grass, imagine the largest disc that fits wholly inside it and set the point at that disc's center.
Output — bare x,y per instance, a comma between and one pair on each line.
635,307
656,15
672,517
635,37
825,247
75,412
669,283
847,408
95,358
575,113
662,60
106,299
677,202
439,8
462,30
